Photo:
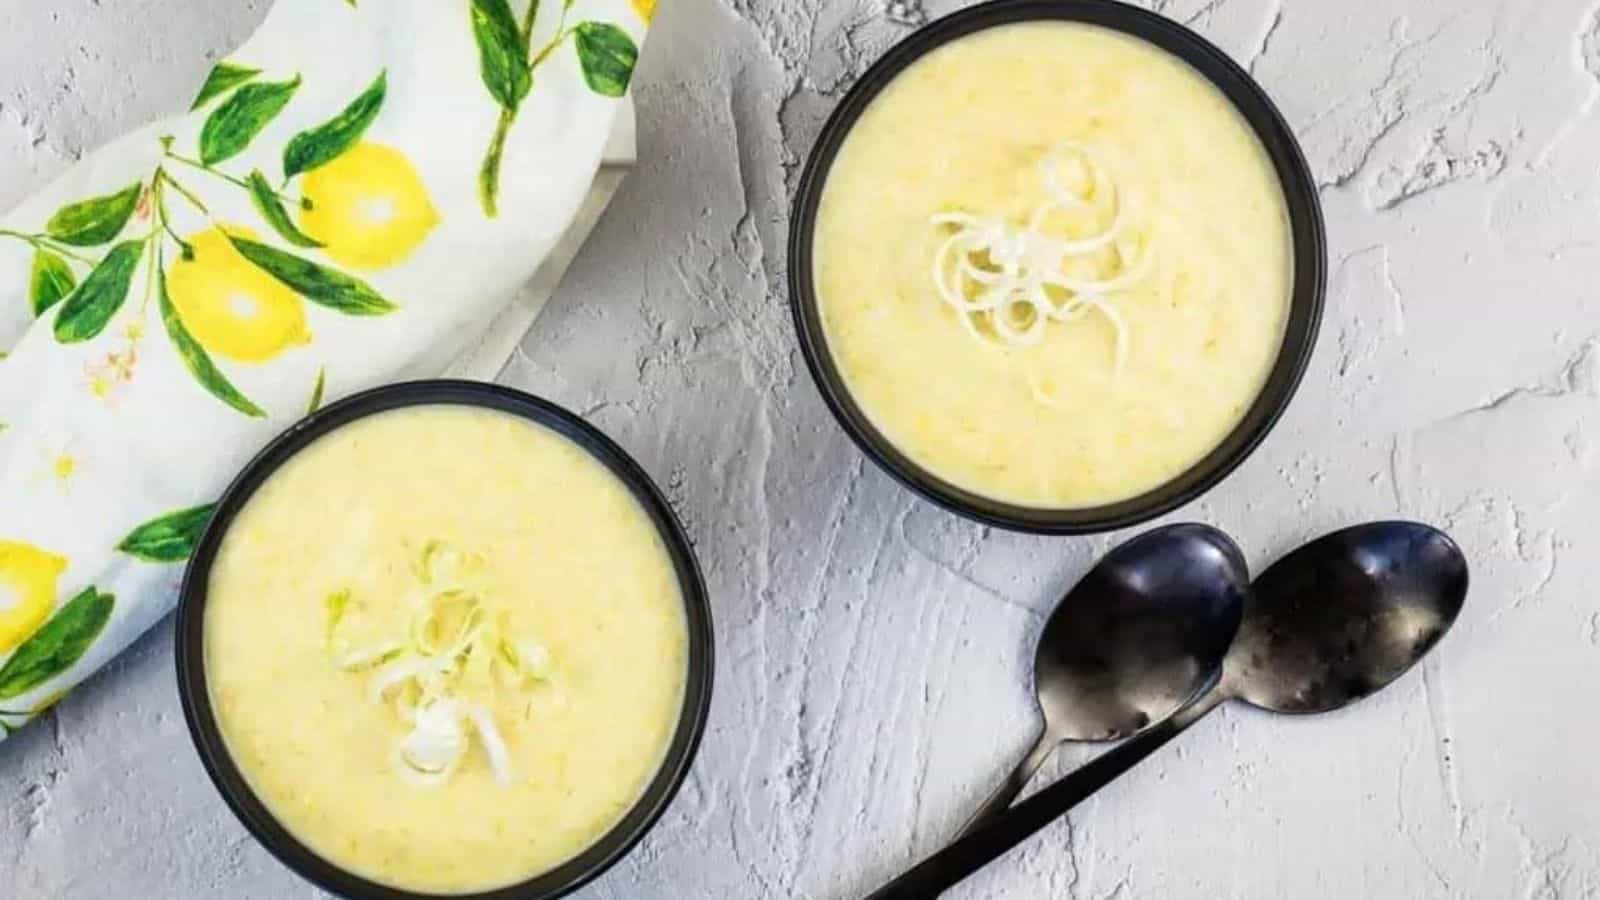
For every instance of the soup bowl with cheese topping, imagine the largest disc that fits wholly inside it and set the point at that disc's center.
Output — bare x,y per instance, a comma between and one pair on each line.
1057,265
445,639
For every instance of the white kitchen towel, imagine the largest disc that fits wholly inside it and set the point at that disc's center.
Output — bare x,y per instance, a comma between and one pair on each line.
359,190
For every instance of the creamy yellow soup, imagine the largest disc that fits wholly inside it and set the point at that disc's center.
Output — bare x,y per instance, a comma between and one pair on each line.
446,647
1118,364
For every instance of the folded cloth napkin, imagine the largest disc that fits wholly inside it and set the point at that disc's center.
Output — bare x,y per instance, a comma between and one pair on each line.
356,193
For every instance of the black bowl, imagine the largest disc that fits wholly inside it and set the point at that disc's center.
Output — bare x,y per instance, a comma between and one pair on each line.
197,709
1305,219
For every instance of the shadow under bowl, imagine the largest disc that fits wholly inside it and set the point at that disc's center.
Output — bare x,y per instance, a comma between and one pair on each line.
1309,254
202,720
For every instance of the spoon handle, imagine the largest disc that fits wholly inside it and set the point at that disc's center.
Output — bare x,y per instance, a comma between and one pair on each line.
993,839
1000,800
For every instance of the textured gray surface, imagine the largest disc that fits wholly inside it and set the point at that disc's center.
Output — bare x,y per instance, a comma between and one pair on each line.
872,680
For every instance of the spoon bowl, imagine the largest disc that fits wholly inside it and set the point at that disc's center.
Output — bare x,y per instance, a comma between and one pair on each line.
1141,634
1343,616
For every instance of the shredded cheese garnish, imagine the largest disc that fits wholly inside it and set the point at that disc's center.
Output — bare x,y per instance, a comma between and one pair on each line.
1006,282
420,678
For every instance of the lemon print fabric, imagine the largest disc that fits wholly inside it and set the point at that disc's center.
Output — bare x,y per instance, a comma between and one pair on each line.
368,207
231,306
228,292
28,578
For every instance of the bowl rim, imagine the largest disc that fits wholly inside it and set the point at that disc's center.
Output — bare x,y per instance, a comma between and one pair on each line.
1309,251
196,701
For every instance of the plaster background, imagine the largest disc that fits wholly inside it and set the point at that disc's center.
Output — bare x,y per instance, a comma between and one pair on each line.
873,651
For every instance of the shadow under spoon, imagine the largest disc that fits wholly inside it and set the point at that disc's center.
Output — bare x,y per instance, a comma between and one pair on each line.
1142,634
1336,620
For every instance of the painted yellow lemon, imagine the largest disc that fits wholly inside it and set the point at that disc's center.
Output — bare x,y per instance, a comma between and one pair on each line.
368,206
645,8
27,590
233,308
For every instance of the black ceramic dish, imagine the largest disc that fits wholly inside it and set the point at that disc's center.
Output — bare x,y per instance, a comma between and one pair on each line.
191,656
1309,251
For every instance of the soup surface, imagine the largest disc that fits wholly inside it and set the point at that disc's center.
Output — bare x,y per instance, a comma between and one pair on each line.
446,647
1053,264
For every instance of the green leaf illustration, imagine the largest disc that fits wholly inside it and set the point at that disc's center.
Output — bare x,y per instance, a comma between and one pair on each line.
89,223
231,126
502,54
607,55
224,76
50,281
271,208
55,647
322,144
316,392
169,538
316,283
87,309
199,364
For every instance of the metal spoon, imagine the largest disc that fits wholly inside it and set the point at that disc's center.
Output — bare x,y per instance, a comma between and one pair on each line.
1142,634
1325,626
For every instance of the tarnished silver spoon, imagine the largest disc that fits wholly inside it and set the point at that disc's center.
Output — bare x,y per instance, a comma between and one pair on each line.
1336,620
